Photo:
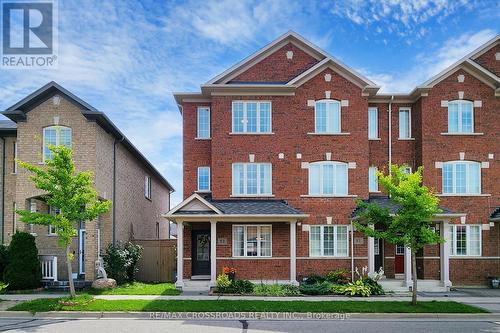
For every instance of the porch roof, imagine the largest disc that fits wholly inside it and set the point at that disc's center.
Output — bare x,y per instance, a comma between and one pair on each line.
386,202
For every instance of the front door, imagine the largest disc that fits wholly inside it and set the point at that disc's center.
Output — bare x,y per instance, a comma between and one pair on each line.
201,252
379,253
399,260
81,251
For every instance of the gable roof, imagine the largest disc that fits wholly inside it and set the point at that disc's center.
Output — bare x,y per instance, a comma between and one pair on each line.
18,111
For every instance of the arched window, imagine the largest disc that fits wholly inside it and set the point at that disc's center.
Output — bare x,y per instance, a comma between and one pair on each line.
460,116
56,136
461,177
328,178
327,117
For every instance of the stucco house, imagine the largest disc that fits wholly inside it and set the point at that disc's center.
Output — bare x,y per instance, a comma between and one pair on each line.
138,191
278,148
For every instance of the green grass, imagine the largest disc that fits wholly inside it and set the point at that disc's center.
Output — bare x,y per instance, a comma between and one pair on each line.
138,288
86,303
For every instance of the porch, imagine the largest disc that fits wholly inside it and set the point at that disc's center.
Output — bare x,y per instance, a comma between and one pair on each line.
50,275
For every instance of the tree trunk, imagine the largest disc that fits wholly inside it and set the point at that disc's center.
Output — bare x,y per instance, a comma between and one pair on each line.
70,272
414,277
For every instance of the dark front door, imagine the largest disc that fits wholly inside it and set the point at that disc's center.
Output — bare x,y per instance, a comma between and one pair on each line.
201,252
379,253
399,260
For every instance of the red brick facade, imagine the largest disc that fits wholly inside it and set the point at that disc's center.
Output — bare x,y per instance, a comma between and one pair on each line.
292,123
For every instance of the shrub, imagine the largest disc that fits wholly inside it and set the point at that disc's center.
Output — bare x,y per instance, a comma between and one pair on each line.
313,279
3,260
375,287
276,290
319,288
357,288
120,261
223,283
23,269
340,276
338,289
242,287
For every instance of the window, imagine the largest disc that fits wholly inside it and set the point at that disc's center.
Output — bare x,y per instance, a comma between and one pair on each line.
251,117
55,136
465,240
328,178
147,187
372,123
460,117
203,123
462,177
53,211
328,241
404,123
204,179
252,179
14,163
252,240
327,117
372,179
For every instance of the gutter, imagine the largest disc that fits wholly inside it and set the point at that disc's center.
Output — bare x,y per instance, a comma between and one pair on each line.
390,133
114,188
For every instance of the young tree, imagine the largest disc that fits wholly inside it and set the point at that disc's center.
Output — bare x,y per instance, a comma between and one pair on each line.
411,225
69,191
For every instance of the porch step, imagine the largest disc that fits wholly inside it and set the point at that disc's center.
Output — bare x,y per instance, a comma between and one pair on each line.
64,285
398,286
196,285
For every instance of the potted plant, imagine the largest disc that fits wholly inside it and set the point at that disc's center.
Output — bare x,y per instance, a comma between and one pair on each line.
494,281
230,272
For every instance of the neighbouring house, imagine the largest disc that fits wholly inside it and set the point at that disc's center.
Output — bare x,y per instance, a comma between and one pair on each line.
138,191
278,148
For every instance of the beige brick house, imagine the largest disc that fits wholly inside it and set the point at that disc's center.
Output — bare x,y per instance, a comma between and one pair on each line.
53,115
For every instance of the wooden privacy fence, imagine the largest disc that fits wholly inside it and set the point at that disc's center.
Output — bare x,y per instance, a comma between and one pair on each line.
159,260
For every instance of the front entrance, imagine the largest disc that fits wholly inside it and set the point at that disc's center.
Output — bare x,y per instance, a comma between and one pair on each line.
201,252
379,253
399,259
81,251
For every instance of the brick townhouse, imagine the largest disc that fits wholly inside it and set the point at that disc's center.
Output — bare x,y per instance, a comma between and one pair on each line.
139,193
278,148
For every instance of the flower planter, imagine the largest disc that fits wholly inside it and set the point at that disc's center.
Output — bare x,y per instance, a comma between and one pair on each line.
494,282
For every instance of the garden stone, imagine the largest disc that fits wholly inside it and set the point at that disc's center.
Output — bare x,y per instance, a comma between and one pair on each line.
104,283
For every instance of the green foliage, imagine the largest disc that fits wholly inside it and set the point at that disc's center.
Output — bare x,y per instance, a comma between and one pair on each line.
375,287
3,287
357,288
339,276
338,289
4,259
120,261
318,288
222,282
276,290
313,279
23,269
225,285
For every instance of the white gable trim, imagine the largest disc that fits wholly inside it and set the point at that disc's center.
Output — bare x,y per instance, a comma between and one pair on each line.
193,197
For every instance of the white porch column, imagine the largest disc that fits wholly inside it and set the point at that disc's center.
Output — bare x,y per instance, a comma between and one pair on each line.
408,279
293,252
180,254
371,253
213,253
445,254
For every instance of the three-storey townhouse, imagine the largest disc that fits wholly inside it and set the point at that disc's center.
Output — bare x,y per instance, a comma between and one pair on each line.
278,148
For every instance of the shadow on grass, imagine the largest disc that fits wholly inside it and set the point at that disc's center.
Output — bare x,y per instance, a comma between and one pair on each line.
138,288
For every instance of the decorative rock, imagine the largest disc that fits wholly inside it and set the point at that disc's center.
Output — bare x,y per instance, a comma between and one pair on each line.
104,283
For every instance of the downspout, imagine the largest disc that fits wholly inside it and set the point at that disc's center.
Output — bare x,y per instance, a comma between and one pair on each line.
352,251
3,189
390,133
114,188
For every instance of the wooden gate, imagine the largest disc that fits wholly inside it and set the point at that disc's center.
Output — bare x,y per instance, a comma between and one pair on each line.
159,260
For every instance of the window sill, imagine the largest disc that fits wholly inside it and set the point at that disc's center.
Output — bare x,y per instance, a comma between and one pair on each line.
252,258
463,195
206,191
51,235
461,134
203,139
465,257
406,139
342,133
34,234
251,133
329,257
252,195
374,139
374,191
328,196
148,198
13,173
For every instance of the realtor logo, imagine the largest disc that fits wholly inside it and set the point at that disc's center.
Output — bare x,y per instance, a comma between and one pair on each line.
28,34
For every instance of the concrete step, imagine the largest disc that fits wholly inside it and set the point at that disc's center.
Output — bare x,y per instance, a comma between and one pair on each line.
196,285
394,285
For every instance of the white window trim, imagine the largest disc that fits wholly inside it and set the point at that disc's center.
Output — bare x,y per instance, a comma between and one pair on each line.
454,179
198,123
460,132
376,179
245,240
245,178
147,187
409,124
58,138
327,117
245,122
198,180
376,137
453,237
321,180
335,248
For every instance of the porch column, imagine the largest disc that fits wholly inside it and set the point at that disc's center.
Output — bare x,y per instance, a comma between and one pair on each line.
180,254
293,253
408,279
445,254
213,253
371,253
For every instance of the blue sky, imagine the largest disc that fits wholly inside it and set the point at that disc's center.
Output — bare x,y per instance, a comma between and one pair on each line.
127,57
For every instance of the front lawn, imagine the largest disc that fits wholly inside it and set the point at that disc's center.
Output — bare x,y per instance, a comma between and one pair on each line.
139,288
86,303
